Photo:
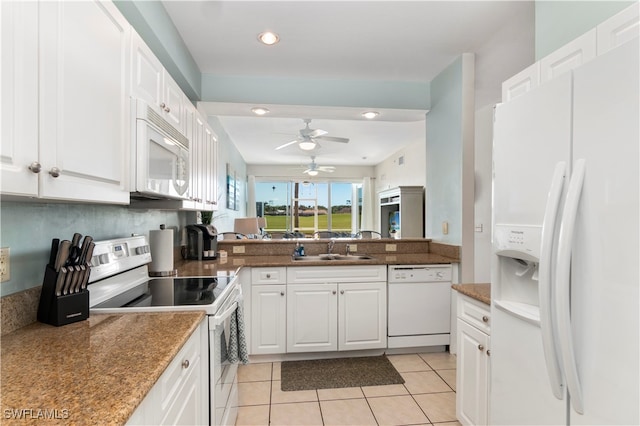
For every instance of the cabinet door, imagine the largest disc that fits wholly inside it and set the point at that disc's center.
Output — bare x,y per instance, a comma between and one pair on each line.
173,102
268,319
146,74
209,169
186,408
362,316
569,56
84,101
19,96
472,377
521,83
312,317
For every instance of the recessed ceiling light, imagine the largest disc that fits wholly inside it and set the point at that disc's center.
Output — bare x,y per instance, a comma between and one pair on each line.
268,38
259,111
307,145
370,114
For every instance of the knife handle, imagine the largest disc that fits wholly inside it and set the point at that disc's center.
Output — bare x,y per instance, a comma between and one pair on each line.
85,277
53,255
67,281
60,280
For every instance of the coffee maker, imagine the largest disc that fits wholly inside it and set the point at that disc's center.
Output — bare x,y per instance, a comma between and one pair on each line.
202,242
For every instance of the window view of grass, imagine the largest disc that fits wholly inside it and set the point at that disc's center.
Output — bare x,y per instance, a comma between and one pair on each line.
280,201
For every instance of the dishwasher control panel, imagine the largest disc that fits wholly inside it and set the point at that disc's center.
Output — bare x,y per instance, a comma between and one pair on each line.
419,273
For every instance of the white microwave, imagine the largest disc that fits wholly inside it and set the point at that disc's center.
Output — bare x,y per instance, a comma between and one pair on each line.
160,163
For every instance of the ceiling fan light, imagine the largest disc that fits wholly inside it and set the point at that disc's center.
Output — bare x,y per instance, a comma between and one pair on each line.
312,173
307,145
259,111
268,38
370,114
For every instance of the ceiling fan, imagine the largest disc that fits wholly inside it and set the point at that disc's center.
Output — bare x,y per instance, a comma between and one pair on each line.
314,168
307,140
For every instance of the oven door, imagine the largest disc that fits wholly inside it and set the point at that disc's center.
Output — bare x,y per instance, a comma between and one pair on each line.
162,163
223,381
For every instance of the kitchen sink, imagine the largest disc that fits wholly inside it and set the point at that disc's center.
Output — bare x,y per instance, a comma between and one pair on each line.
328,257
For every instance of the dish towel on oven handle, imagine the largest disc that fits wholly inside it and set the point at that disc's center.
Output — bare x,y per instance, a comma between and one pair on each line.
237,350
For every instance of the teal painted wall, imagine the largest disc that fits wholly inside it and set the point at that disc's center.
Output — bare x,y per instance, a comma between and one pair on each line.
299,91
444,155
28,228
559,22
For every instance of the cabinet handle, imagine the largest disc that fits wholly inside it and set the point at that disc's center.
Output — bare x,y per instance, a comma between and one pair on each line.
268,275
35,167
341,291
167,109
333,292
185,364
54,172
163,105
488,352
485,318
282,293
480,347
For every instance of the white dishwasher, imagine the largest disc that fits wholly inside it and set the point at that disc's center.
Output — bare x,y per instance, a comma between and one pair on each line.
419,305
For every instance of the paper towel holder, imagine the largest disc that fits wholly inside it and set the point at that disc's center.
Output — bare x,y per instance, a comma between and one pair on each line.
166,245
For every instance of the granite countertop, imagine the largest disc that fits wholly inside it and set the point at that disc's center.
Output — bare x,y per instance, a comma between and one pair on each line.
91,372
480,292
231,263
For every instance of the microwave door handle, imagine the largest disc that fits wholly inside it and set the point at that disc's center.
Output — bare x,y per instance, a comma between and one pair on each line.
219,319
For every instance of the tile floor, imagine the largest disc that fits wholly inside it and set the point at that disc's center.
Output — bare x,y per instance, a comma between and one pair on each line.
427,397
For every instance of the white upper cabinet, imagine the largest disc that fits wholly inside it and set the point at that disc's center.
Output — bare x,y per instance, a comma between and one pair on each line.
65,120
619,29
84,102
521,83
151,82
569,56
19,96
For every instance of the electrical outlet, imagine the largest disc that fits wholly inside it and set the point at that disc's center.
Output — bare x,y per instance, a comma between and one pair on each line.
353,248
391,247
238,249
5,271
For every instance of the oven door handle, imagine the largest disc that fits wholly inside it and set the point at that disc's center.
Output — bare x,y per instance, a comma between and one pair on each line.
219,319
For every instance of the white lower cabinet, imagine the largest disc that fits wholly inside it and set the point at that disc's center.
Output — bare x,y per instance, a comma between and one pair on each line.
473,362
181,394
268,319
362,316
329,314
268,309
312,318
318,309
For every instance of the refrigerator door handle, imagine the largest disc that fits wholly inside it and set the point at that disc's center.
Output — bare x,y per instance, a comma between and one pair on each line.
545,280
563,290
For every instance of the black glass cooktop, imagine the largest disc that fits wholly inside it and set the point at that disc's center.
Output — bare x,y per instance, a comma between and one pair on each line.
172,291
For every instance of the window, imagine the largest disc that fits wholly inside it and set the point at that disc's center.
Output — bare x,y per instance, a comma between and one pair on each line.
306,207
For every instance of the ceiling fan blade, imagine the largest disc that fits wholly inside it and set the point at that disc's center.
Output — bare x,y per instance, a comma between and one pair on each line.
329,169
287,144
333,139
316,133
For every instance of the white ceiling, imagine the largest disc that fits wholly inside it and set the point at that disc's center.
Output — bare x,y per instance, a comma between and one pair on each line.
398,41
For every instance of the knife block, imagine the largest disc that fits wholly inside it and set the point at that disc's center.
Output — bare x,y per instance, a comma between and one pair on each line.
61,310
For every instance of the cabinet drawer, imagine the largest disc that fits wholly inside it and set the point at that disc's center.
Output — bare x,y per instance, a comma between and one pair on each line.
269,275
474,312
177,372
336,273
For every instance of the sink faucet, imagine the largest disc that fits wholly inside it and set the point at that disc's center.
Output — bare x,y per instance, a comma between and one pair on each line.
348,249
330,246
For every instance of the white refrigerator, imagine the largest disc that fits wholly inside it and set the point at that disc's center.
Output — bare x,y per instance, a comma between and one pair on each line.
565,264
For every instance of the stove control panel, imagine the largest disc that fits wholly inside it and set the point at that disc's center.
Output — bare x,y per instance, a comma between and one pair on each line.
113,256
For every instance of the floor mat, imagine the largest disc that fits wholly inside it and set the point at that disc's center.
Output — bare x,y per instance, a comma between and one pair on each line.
338,373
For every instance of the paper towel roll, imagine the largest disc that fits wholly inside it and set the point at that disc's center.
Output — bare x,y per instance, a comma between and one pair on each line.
161,245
